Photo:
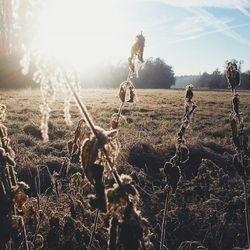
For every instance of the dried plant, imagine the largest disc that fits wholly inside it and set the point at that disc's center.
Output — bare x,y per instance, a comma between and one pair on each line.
67,116
233,75
136,58
2,112
123,89
74,146
97,150
241,161
172,167
126,230
12,194
134,63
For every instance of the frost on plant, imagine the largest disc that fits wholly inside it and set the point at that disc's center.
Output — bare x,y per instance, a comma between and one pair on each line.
233,74
12,194
136,58
172,168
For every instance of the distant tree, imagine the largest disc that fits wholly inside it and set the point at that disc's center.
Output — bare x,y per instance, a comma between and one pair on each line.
155,73
11,76
6,20
204,80
13,23
245,80
216,80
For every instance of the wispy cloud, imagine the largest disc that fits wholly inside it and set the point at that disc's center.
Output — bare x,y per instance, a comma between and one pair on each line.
232,4
218,24
206,33
196,24
203,22
244,11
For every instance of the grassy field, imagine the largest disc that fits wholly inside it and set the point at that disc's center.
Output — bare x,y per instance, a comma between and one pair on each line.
147,140
153,119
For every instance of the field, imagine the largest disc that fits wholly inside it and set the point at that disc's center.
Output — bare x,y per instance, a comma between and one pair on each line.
208,206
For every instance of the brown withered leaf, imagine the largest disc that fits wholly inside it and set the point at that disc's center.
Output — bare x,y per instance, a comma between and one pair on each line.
70,144
2,112
234,127
122,93
114,122
89,155
79,133
20,199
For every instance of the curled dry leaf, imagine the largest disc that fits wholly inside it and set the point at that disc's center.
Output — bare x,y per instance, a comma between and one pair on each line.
118,194
236,104
39,242
20,199
2,112
173,175
122,91
79,132
234,127
115,121
89,155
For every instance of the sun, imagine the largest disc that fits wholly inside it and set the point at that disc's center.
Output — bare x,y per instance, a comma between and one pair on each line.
81,33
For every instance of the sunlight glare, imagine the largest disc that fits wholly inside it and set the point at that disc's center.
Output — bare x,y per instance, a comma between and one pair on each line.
81,33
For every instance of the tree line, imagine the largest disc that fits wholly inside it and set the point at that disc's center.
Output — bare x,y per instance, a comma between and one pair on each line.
154,73
217,80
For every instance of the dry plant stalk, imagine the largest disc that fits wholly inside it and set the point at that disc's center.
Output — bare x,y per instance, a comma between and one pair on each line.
74,146
240,140
172,167
12,194
233,76
97,151
126,230
136,59
134,64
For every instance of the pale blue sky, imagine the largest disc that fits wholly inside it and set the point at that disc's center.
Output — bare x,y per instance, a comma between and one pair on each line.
193,36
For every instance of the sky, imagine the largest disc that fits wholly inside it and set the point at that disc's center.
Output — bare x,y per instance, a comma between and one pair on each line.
193,36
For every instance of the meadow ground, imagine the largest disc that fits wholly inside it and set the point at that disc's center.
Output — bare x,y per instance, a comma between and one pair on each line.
147,139
153,119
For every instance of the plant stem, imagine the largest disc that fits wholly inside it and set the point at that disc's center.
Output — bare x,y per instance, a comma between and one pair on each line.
86,116
122,104
93,231
246,212
163,225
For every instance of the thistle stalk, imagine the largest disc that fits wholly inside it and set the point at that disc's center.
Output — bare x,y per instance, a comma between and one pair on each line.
86,116
246,212
163,225
239,138
93,231
172,167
